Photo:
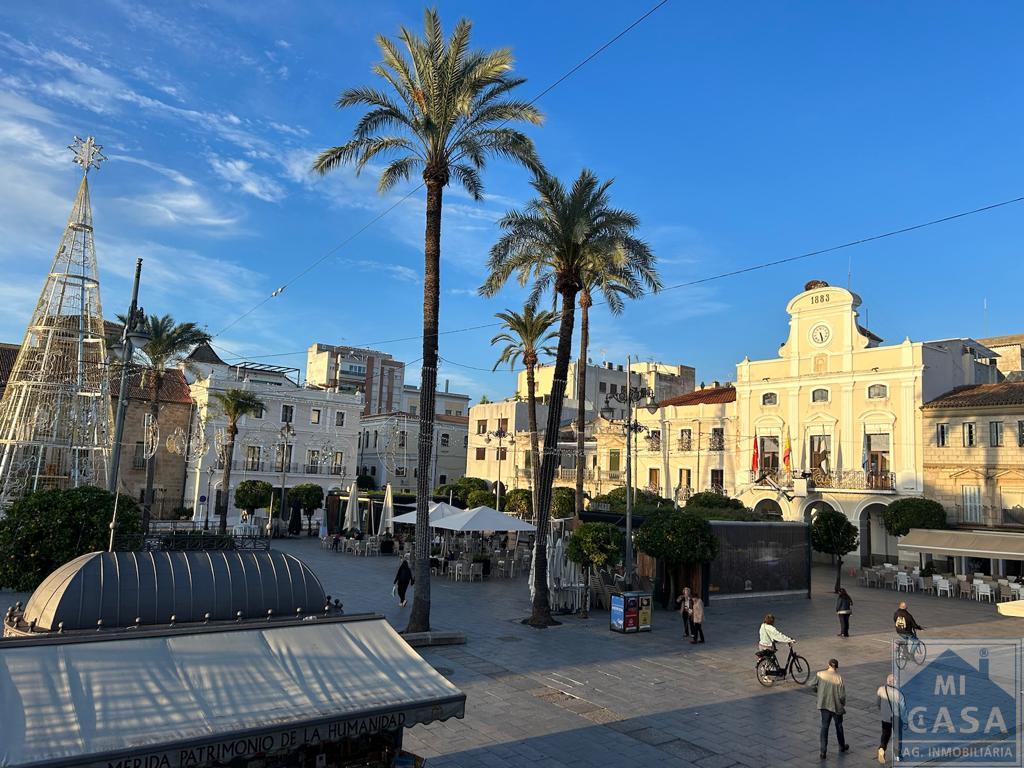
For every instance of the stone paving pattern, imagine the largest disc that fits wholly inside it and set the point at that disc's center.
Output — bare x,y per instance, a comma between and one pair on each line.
579,695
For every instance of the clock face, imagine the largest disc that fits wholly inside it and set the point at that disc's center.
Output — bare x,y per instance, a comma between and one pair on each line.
821,333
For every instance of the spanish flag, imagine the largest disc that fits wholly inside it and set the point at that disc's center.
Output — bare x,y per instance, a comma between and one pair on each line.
786,452
755,462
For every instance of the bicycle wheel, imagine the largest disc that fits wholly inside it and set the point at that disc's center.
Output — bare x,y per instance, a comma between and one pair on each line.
765,672
901,657
920,652
800,670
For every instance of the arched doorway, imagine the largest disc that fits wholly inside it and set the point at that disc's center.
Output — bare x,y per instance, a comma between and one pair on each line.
769,508
874,536
812,509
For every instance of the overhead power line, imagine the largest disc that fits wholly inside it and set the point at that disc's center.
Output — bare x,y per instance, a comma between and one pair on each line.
321,259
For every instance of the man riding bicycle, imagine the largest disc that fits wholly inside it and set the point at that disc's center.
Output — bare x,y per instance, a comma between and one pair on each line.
768,636
906,625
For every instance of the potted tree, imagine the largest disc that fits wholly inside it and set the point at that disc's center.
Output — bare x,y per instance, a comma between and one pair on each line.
833,534
251,495
679,538
310,498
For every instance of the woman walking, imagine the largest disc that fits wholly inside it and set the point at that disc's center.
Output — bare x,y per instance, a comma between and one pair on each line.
844,607
697,620
402,581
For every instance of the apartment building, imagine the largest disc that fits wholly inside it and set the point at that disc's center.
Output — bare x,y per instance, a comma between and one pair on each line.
376,375
303,434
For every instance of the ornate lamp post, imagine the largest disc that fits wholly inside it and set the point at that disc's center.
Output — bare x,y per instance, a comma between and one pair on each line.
629,397
287,434
500,435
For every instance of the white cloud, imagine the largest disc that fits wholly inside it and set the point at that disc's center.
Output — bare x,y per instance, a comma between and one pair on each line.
176,176
241,173
292,130
179,208
282,44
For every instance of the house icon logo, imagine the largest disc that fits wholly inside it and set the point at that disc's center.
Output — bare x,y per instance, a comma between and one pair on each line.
963,705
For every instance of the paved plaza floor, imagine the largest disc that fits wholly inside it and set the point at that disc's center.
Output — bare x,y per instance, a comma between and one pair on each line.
579,695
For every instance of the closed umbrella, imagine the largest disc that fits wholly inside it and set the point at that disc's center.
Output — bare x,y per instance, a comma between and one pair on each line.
387,514
352,521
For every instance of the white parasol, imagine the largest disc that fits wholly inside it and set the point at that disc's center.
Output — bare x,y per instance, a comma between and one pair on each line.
387,514
437,510
482,519
352,517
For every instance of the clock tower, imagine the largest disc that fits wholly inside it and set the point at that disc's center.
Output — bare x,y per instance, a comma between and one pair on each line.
823,322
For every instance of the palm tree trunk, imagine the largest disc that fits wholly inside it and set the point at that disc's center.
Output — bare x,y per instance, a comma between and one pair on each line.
531,411
419,617
225,478
581,393
541,616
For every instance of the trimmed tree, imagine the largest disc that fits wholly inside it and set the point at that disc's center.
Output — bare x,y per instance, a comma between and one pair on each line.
712,500
563,503
593,544
904,514
310,497
519,503
833,534
251,495
46,529
677,537
366,483
480,499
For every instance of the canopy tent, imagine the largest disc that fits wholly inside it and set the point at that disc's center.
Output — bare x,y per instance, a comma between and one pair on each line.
983,544
437,510
352,516
387,514
482,519
217,692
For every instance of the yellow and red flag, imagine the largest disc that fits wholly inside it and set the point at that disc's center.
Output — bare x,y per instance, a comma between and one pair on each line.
786,453
755,462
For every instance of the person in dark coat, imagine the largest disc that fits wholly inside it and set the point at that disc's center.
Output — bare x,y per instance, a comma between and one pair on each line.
402,581
844,607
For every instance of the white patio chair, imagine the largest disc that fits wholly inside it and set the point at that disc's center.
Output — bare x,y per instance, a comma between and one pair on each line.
983,592
943,586
902,582
476,571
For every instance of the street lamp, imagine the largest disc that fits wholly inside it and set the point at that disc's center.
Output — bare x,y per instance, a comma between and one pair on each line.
211,471
500,434
286,433
629,397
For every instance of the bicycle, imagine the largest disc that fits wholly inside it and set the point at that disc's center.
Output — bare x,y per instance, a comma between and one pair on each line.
909,648
768,669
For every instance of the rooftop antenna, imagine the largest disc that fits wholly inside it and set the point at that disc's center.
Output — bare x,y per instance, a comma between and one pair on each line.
849,273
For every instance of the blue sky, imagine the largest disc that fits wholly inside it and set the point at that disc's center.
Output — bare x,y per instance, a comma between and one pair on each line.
738,132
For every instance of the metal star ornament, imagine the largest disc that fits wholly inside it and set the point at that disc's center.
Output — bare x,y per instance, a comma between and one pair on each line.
87,153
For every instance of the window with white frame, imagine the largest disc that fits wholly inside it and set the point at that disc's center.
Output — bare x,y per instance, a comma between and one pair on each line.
878,392
481,426
445,439
769,398
717,442
399,471
942,435
258,413
287,414
971,506
995,434
819,396
401,438
480,454
970,435
314,415
339,419
685,439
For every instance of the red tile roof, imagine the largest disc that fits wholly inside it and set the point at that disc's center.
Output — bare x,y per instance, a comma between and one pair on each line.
981,396
710,396
173,388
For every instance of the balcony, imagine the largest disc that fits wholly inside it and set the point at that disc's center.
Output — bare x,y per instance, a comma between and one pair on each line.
337,469
312,469
988,516
684,444
653,443
845,479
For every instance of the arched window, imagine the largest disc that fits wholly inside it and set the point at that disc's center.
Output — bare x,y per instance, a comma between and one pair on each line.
769,398
876,391
819,396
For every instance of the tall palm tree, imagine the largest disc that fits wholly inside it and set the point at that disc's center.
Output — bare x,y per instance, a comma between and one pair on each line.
526,338
169,343
629,273
553,242
235,403
444,112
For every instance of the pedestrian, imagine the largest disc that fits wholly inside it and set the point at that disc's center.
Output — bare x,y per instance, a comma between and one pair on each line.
697,619
890,708
831,690
844,607
336,542
685,603
402,581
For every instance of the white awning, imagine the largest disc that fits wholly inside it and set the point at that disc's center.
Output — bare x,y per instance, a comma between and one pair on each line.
483,519
235,690
995,544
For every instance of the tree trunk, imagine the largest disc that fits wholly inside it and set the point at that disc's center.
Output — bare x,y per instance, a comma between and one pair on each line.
541,616
419,616
147,497
581,392
839,574
531,411
585,614
225,478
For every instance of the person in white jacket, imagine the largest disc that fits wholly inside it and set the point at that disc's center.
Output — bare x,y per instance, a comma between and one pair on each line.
768,635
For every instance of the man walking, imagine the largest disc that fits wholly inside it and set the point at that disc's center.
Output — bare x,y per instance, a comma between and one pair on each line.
890,706
831,690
